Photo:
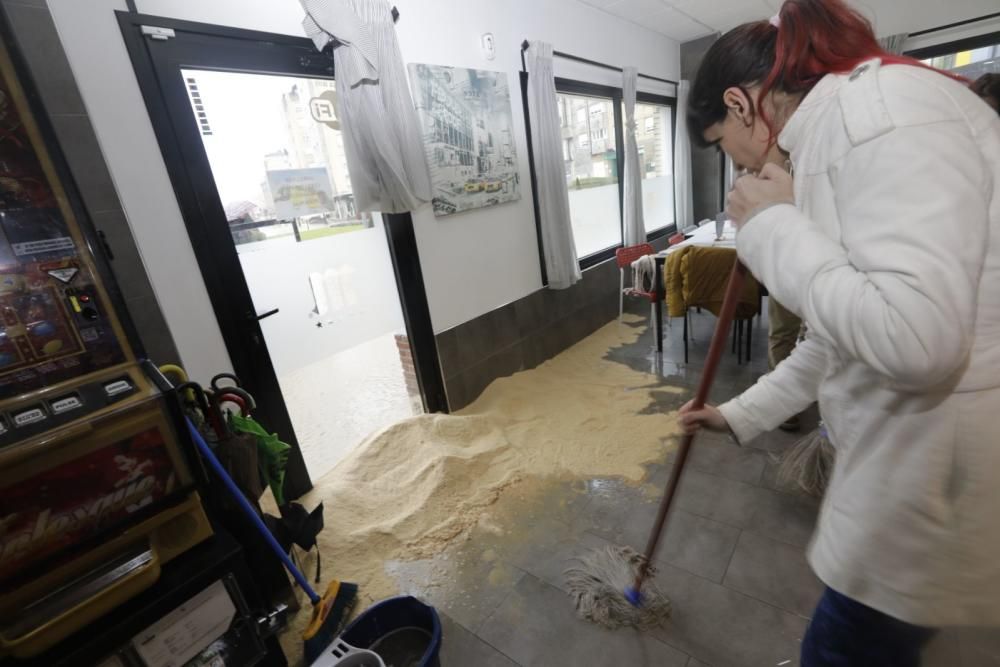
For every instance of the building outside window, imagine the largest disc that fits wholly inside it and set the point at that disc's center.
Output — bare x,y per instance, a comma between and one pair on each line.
591,117
656,164
970,63
592,174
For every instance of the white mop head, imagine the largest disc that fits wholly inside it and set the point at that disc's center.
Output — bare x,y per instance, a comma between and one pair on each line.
597,584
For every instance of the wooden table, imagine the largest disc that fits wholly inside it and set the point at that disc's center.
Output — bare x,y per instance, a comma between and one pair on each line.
703,236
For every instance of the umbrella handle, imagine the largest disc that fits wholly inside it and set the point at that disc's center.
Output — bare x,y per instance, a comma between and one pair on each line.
232,398
251,404
214,383
182,377
201,400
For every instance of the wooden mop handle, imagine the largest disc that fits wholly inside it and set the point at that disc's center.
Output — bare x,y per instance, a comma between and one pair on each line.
719,338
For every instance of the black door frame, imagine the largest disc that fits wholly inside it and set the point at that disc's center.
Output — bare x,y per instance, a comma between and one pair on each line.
204,46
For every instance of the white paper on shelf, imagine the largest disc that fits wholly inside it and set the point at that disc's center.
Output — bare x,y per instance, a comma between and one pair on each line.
187,630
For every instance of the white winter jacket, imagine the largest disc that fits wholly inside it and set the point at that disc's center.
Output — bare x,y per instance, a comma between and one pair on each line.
891,255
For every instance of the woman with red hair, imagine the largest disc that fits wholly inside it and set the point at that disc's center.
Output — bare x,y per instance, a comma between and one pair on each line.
885,239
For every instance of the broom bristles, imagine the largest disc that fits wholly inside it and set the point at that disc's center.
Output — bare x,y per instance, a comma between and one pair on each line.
598,582
329,617
808,465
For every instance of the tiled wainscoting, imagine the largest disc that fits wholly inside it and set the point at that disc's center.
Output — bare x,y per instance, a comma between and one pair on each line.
526,332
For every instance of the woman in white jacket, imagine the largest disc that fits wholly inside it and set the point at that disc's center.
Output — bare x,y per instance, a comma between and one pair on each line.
885,238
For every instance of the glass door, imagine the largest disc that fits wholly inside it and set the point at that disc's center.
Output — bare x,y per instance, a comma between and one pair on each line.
321,306
318,271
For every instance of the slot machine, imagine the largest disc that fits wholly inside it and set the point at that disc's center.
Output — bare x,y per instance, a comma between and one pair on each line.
96,494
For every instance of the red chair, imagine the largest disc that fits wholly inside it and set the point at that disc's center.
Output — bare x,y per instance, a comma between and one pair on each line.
624,257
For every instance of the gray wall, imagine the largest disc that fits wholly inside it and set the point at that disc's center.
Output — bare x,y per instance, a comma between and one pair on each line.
50,70
706,164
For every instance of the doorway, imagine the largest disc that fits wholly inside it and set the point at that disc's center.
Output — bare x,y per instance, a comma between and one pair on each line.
321,306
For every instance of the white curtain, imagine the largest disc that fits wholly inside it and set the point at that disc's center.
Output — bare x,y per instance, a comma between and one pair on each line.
635,227
894,43
561,264
382,143
683,191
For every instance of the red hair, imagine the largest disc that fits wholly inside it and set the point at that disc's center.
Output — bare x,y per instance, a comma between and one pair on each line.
814,38
820,37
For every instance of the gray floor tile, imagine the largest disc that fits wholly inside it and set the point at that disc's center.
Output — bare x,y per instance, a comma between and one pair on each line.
695,662
776,515
551,557
774,572
724,628
696,544
541,547
464,583
536,625
943,651
979,647
625,515
720,455
461,648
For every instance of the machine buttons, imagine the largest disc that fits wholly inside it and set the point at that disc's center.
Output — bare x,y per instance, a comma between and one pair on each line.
3,426
118,387
29,416
65,404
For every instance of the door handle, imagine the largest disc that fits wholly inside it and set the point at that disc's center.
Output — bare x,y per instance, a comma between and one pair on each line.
273,311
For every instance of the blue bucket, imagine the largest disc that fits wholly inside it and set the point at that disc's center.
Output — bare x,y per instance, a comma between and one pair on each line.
401,631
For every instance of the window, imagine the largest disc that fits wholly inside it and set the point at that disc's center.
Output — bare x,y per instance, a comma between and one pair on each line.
592,119
970,61
656,164
592,175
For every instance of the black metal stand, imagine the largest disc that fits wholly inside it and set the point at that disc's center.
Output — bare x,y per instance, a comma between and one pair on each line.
181,579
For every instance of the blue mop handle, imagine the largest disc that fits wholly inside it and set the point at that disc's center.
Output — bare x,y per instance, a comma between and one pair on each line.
209,456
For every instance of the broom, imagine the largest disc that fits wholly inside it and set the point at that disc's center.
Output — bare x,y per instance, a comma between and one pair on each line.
607,585
809,463
330,610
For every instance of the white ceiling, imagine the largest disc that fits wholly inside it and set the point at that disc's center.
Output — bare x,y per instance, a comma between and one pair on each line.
684,20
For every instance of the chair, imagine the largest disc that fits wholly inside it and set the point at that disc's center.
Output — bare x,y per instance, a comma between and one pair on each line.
624,257
697,278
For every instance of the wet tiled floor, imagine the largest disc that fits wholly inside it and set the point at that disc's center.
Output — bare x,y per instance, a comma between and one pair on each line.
732,559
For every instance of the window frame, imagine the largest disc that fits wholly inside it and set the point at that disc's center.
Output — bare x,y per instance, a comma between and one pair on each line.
582,88
947,48
588,89
671,102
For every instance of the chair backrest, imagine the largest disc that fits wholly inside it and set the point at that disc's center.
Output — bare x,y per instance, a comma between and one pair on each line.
625,256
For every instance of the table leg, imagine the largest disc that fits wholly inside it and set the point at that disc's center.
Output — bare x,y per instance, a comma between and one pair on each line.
658,290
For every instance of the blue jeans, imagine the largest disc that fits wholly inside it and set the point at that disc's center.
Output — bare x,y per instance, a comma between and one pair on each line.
846,633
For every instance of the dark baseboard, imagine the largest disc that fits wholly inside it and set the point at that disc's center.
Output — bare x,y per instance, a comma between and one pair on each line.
525,333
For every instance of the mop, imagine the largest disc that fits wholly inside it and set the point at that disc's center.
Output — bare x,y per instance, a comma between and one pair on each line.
613,586
809,463
329,610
